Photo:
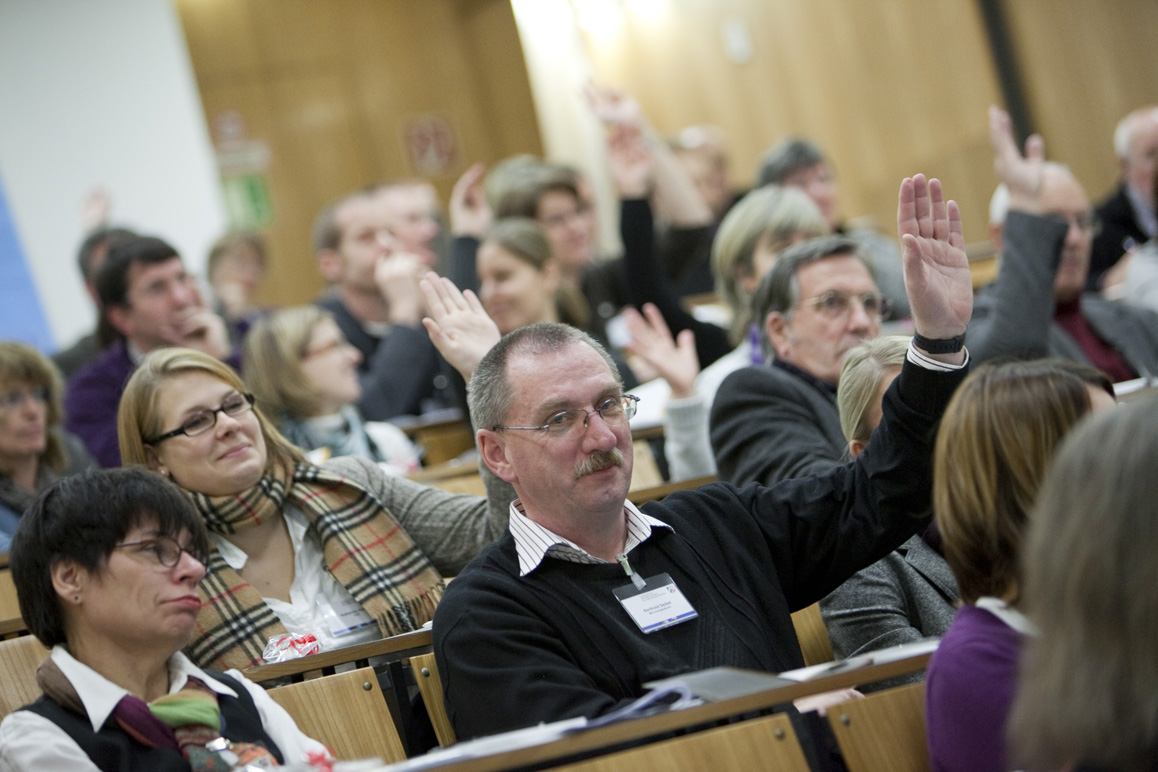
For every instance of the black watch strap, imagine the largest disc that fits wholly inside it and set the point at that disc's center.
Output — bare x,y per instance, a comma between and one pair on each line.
939,345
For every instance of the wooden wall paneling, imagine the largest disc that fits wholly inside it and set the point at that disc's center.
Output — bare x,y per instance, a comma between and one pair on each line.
1085,66
888,89
329,85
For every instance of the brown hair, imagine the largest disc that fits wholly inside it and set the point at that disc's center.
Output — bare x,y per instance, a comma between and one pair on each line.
274,349
138,417
995,441
523,237
20,363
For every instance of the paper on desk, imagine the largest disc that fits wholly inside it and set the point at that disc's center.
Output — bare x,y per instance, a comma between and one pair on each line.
890,654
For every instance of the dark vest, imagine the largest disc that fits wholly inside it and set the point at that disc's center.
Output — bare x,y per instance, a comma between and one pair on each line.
113,750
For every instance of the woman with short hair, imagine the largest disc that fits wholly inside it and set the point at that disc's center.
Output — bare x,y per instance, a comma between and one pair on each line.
112,588
995,442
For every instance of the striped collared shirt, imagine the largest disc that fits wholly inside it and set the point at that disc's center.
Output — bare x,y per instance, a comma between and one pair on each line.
533,542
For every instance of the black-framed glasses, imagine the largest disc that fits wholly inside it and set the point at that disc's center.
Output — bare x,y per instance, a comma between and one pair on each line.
165,550
17,397
836,303
613,410
204,420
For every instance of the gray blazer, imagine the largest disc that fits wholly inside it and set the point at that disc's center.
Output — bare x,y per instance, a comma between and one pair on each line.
1014,315
768,425
908,595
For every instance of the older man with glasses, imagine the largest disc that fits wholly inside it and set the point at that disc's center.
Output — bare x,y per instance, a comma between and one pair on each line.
586,598
1043,227
778,421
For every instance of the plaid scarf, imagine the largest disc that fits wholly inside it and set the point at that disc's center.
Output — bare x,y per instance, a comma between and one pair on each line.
364,548
185,721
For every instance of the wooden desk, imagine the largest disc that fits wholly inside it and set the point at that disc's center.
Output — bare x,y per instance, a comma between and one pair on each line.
324,663
616,736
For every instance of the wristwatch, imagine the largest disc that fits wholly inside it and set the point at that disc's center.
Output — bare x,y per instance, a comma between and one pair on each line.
939,345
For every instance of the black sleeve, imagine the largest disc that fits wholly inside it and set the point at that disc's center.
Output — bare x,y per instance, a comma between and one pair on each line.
646,282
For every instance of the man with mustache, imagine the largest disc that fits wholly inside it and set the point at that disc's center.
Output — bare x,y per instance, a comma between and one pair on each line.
586,598
778,421
1043,227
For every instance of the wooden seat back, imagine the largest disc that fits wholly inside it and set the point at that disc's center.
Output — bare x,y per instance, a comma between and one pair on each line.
885,730
812,635
347,712
426,674
19,658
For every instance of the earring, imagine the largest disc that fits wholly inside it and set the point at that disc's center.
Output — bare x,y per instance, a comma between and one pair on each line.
164,472
76,599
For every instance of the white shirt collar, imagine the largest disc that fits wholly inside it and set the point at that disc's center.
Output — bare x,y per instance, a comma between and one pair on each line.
1143,212
1007,614
100,696
533,542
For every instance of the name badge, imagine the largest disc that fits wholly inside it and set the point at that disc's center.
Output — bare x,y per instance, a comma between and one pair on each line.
345,616
657,604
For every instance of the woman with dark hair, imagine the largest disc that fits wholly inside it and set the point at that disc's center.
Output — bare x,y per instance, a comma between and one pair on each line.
1087,690
995,441
34,450
341,551
113,590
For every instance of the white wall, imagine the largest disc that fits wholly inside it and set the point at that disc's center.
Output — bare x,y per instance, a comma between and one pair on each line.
100,93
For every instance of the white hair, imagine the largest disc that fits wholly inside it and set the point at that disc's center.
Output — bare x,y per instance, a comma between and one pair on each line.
1125,129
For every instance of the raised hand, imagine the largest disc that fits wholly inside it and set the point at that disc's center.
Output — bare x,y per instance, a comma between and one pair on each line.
937,278
630,161
470,213
674,359
1021,174
396,276
615,107
458,326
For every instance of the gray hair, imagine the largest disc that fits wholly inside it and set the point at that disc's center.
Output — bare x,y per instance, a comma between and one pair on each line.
490,396
787,157
779,290
1125,129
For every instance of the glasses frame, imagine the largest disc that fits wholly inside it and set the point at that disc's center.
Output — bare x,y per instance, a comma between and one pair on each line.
883,306
249,403
144,543
628,402
17,398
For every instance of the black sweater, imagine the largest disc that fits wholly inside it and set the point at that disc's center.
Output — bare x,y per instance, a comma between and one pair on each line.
513,651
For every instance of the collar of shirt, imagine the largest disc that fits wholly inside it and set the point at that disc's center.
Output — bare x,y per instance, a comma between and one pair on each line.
824,387
100,695
236,558
1144,214
533,542
1007,614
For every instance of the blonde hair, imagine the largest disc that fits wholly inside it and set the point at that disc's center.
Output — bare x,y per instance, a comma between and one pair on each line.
138,416
993,447
865,366
274,349
20,363
1087,691
780,214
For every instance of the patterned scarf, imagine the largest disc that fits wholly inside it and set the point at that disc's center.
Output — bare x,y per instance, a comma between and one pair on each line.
186,721
364,548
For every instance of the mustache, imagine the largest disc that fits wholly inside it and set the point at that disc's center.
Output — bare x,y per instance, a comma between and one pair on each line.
599,461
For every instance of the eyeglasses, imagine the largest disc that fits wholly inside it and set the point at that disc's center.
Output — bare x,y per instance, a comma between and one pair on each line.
836,303
204,420
613,410
15,399
1085,221
165,550
563,218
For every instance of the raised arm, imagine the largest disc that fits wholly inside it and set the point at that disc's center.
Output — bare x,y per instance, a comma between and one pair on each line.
458,326
937,278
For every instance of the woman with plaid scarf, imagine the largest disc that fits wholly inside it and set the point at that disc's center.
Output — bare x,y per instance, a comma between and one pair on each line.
342,551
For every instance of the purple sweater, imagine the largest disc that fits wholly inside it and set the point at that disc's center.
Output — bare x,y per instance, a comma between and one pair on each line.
91,401
969,689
